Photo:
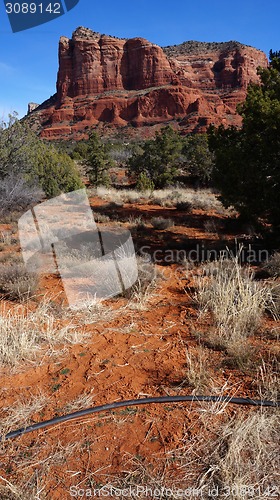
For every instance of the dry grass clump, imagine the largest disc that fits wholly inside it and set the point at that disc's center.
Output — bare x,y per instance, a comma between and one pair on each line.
20,492
272,266
16,282
161,223
21,413
210,226
33,468
268,379
136,223
24,334
101,218
197,369
94,311
79,403
245,455
119,196
141,291
69,256
7,238
203,199
273,302
167,201
236,301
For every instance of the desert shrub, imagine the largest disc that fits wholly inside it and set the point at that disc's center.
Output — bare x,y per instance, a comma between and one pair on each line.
22,153
80,151
10,258
272,266
184,206
16,282
144,183
136,223
112,205
7,239
17,194
56,173
120,154
161,223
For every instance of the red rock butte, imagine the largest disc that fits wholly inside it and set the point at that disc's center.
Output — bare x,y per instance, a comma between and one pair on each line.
120,82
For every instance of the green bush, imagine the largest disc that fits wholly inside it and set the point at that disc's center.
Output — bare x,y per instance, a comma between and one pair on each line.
56,173
144,183
23,154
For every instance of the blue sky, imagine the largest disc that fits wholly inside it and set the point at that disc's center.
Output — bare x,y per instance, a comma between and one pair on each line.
28,60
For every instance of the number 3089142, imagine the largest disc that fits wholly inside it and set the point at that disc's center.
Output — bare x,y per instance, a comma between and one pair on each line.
32,8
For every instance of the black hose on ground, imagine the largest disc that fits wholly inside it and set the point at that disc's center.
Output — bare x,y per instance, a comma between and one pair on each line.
137,402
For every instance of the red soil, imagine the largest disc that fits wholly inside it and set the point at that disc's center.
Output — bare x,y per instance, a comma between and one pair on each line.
133,354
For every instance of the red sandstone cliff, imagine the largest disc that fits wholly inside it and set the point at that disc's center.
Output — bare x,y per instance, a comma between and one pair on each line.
102,79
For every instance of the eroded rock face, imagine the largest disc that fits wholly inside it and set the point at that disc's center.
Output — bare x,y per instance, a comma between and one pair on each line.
102,79
31,107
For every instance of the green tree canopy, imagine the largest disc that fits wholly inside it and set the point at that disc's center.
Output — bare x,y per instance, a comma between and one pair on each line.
160,158
247,161
197,159
97,161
